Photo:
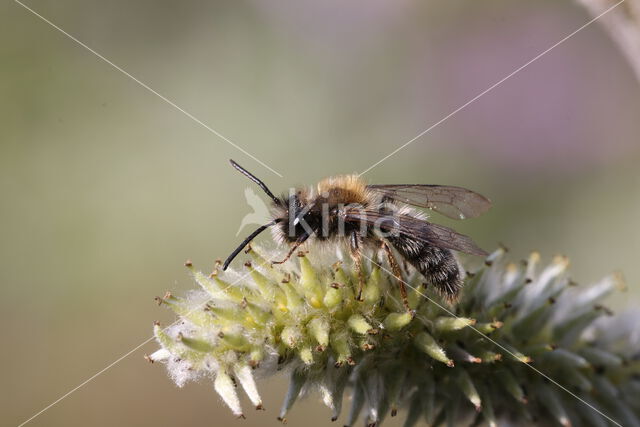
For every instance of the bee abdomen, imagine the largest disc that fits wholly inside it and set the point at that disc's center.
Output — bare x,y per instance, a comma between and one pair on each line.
439,266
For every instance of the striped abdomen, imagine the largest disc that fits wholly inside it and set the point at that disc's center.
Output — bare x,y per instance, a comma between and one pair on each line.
438,266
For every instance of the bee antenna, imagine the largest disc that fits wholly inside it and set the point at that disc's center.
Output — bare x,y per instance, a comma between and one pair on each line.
253,178
246,241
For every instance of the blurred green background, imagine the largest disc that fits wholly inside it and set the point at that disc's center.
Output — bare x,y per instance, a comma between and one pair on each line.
106,189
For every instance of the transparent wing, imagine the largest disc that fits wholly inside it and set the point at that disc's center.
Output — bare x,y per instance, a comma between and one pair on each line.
453,202
415,228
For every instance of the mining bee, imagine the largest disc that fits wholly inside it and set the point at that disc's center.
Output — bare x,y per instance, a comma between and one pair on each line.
346,209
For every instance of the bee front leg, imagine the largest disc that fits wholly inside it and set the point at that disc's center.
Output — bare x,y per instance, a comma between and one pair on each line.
303,238
356,253
395,268
291,251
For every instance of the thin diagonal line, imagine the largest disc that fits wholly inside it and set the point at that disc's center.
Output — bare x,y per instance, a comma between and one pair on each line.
118,360
490,88
499,345
88,380
147,87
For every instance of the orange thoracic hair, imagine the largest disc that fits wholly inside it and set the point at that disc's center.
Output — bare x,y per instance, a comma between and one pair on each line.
344,189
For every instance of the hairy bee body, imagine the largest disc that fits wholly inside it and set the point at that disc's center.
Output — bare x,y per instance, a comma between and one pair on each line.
323,203
345,209
439,266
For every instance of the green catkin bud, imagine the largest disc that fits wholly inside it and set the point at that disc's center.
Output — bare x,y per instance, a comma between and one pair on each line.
232,292
600,357
357,402
371,293
549,399
294,301
511,385
487,408
310,283
359,324
337,385
334,296
576,379
488,327
415,411
206,283
225,387
234,341
429,399
256,355
245,377
225,316
174,347
516,354
448,324
532,263
214,286
319,328
397,321
268,289
197,344
342,348
415,297
256,315
452,410
568,359
265,265
298,378
342,280
302,317
426,343
459,354
291,336
592,418
306,354
495,256
489,356
162,337
182,308
468,388
394,389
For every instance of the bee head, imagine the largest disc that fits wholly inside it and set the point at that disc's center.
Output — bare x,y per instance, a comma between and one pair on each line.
300,217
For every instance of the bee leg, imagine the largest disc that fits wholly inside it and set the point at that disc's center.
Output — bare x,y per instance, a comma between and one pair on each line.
291,251
295,246
356,254
395,268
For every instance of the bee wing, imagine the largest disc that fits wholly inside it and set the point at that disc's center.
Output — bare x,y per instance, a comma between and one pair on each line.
453,202
415,228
